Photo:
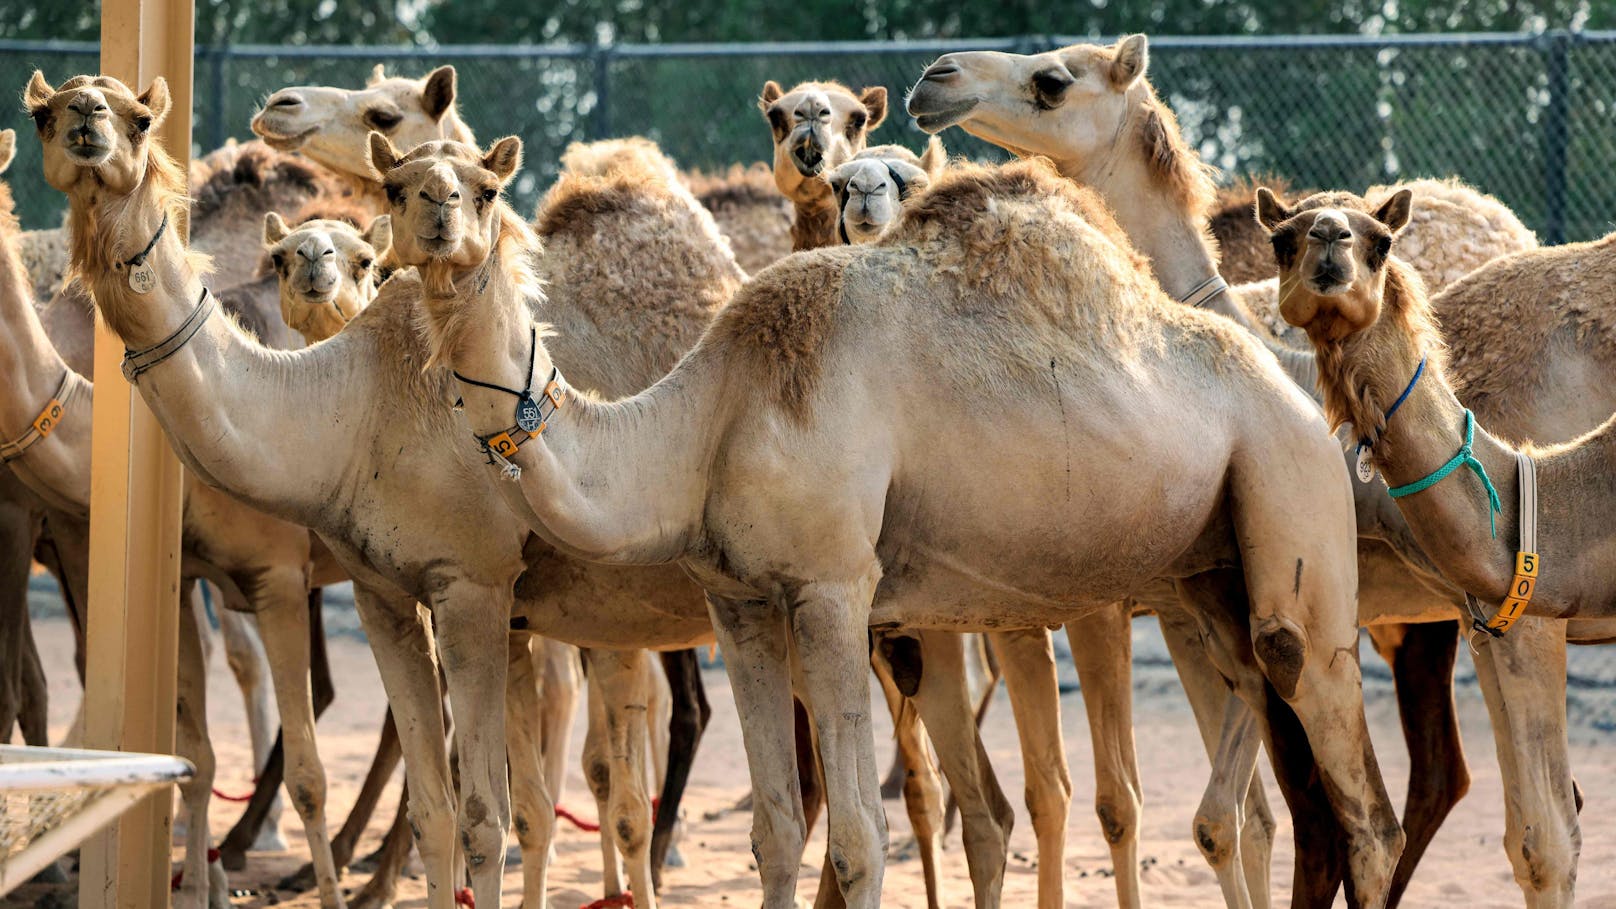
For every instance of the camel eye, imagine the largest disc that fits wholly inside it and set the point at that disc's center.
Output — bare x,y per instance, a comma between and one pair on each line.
279,259
1050,85
395,194
489,195
42,117
384,120
143,122
364,264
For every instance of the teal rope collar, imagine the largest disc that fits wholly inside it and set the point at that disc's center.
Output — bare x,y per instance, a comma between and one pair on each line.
1464,458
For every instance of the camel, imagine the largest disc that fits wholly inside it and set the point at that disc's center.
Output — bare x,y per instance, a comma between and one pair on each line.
419,523
326,270
1104,127
691,458
816,126
326,124
750,212
872,186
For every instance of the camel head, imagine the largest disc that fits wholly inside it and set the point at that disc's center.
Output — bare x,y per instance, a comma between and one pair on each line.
326,270
96,132
1069,105
445,202
1334,253
333,125
872,188
817,126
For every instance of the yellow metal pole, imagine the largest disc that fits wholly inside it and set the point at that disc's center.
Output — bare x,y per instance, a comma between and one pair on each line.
135,499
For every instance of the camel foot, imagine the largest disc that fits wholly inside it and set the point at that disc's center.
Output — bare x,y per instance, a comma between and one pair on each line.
218,887
299,881
234,859
744,804
269,840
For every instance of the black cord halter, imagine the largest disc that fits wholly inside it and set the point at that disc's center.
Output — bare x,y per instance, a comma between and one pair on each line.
528,415
139,259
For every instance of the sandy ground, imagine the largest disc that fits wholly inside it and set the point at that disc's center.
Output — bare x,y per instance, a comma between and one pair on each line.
1465,865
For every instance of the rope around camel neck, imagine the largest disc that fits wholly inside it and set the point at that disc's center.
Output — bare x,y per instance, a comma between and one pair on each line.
1464,457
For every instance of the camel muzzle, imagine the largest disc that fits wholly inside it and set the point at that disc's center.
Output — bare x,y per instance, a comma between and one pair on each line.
808,152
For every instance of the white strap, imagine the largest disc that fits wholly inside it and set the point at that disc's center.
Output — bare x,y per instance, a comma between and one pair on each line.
1528,471
1203,292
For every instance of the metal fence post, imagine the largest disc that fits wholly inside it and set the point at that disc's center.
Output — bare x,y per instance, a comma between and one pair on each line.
216,126
1556,134
600,121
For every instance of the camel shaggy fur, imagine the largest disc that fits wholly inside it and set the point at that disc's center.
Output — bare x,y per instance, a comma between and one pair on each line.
749,210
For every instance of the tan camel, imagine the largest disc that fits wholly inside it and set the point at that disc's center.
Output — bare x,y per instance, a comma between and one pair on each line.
750,212
326,270
872,186
710,451
816,126
1105,126
611,177
327,124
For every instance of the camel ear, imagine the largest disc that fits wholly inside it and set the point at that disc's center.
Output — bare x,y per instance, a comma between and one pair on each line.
1270,211
771,93
1132,57
38,93
504,159
874,100
934,159
8,147
1395,212
275,229
156,100
838,179
380,235
439,94
383,156
377,75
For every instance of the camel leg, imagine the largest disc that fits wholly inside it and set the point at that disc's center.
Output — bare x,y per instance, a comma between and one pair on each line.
382,764
382,887
625,683
1233,766
17,531
943,700
831,638
1421,657
1226,831
34,718
1027,659
922,786
1102,650
244,652
280,598
753,638
472,621
560,681
533,811
982,676
598,773
403,646
191,742
688,721
1522,677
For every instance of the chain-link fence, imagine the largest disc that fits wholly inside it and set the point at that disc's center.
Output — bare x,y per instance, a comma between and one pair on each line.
1525,117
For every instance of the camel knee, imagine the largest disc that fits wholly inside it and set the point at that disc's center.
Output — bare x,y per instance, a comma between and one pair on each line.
1216,833
599,774
1049,798
856,852
1545,858
482,833
1282,650
1119,818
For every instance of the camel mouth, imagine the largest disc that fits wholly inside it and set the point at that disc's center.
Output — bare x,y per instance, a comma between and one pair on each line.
438,247
935,121
89,155
280,141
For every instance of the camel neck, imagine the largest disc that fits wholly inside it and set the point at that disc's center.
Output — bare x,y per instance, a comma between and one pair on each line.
813,222
1173,238
620,482
57,465
224,401
1451,520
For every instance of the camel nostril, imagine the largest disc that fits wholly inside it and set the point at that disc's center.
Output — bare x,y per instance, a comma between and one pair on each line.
940,72
286,101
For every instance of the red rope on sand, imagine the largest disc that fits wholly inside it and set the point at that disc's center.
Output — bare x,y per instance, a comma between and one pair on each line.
576,821
236,798
620,901
464,897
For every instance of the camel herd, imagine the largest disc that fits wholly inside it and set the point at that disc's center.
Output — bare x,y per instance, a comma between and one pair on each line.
861,408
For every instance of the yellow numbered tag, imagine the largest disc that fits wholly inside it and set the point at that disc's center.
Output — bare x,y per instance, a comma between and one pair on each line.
1521,588
45,423
552,390
502,445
